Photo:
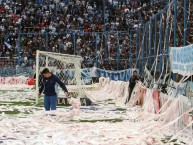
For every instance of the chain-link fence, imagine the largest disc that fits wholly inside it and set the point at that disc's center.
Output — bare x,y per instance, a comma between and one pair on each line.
146,45
8,62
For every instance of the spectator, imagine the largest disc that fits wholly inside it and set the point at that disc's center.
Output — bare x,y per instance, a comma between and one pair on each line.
51,25
132,81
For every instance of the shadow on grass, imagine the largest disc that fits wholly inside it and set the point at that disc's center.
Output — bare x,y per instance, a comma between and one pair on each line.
101,120
17,103
15,112
166,140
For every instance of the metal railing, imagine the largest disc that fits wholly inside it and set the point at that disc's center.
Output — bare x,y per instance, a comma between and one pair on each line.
8,62
145,45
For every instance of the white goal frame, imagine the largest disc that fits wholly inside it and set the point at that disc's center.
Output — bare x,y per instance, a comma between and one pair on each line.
75,59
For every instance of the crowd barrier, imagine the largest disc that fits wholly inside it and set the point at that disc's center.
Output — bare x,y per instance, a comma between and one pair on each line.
110,89
173,105
19,80
7,61
122,75
16,71
168,107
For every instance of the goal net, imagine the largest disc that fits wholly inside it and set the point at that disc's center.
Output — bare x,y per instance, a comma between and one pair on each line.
66,67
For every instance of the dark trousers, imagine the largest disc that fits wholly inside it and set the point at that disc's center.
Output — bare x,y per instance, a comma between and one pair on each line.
130,92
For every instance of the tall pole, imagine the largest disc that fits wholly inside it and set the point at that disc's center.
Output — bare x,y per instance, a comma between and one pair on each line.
74,34
37,77
47,41
118,48
147,45
167,35
143,45
185,23
130,51
150,46
155,42
175,27
96,49
18,48
137,47
104,19
104,29
160,52
175,21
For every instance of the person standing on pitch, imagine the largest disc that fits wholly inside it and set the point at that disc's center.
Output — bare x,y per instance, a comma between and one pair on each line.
132,81
50,96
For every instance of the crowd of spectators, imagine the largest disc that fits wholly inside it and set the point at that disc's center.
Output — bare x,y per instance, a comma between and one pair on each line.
69,26
180,24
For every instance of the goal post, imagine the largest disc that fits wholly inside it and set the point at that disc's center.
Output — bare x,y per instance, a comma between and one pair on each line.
66,67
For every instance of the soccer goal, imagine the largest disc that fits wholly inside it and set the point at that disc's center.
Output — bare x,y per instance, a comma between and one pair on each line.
66,67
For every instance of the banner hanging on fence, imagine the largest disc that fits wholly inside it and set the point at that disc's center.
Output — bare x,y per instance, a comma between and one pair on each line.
87,73
15,71
122,75
182,60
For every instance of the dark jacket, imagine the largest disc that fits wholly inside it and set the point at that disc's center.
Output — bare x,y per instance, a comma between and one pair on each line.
132,82
49,85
